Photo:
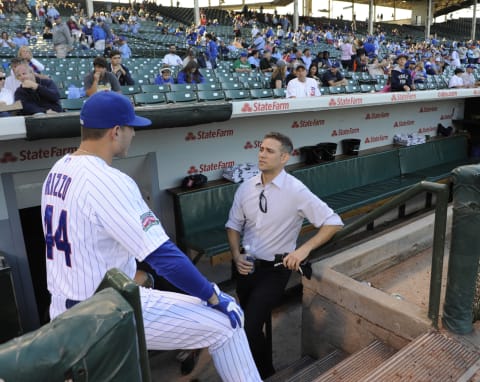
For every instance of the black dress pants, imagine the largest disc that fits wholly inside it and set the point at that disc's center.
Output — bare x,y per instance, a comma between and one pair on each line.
259,293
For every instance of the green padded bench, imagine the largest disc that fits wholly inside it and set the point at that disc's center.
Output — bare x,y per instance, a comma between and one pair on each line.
349,184
95,341
435,160
200,217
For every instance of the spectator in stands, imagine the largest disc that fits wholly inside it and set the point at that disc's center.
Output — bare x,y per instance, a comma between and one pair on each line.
241,65
307,57
346,55
171,58
19,39
123,48
302,86
87,31
324,61
267,63
362,63
12,83
119,70
258,42
211,49
74,28
313,73
6,42
52,12
25,53
419,75
376,68
254,59
99,36
100,79
455,58
61,38
190,74
38,96
468,78
456,81
223,50
401,80
6,95
431,66
47,33
333,77
279,74
268,210
164,77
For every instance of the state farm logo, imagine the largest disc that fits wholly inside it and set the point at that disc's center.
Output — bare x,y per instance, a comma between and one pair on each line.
428,109
450,93
246,108
345,101
35,154
403,97
208,134
190,136
307,123
252,145
192,170
264,106
403,123
423,130
8,157
378,138
345,131
377,115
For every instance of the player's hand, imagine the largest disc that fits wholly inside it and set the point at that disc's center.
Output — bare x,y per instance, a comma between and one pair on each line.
228,306
244,267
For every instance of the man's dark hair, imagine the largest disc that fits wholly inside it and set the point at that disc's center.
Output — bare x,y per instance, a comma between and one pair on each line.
100,61
17,61
92,134
115,53
287,145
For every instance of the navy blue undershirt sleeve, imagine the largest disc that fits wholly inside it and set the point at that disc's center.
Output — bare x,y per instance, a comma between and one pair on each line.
171,263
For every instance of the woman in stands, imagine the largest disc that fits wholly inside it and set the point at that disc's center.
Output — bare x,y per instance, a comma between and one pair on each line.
279,75
190,74
313,73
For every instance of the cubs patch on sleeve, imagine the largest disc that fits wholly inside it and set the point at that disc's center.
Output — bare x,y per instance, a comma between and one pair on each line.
148,220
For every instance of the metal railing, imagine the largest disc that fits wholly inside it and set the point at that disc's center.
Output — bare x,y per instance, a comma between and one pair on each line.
439,230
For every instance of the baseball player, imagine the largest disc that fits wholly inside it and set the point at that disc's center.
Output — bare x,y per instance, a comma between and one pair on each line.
95,219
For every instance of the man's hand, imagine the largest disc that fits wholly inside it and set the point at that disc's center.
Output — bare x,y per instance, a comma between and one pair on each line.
227,305
294,259
29,84
244,267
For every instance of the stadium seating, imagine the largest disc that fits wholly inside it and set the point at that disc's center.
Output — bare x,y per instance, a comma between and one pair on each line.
210,95
181,96
236,94
148,98
72,104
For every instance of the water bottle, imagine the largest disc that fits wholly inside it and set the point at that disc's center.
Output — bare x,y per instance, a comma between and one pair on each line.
249,258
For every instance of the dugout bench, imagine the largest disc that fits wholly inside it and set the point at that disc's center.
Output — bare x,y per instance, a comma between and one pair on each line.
356,185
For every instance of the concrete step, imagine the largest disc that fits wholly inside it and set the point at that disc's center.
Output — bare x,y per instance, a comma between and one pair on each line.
307,368
431,357
358,365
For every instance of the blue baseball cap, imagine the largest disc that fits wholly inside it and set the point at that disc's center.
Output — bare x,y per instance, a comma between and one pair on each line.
108,109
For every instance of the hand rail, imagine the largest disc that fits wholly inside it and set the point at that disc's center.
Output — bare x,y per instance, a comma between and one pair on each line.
439,230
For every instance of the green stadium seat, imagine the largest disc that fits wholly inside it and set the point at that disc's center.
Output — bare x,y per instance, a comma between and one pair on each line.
72,104
183,87
236,94
130,89
261,93
152,88
209,86
149,98
181,96
280,93
210,95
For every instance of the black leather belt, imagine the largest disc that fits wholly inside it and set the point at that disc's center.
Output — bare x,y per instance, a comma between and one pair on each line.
263,263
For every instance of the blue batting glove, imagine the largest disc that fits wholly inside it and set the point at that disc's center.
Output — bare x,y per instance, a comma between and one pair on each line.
228,306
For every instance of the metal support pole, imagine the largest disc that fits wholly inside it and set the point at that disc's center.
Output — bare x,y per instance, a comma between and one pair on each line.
474,20
196,12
